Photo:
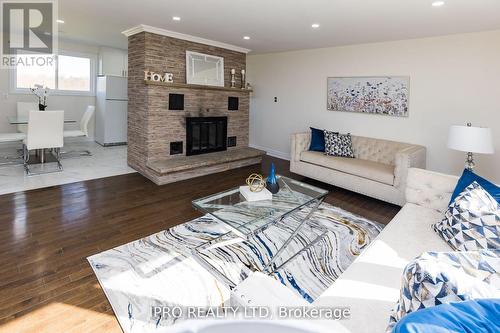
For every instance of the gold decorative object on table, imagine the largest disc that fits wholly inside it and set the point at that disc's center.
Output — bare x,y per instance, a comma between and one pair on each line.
256,182
255,190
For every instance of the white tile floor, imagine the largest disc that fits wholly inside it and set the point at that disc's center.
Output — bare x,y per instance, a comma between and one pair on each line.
104,162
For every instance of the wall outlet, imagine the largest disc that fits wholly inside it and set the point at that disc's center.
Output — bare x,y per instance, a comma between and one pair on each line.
275,99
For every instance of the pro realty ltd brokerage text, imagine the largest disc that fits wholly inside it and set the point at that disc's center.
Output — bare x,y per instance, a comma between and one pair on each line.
250,312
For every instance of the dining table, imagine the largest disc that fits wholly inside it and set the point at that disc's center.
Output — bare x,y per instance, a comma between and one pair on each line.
16,120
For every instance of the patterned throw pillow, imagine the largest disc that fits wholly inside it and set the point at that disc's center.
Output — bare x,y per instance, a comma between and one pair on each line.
440,278
337,144
472,221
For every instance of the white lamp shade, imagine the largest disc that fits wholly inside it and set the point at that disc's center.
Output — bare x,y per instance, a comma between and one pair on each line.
471,139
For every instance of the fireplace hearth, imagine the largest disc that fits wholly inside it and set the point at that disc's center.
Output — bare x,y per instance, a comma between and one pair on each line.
205,135
169,136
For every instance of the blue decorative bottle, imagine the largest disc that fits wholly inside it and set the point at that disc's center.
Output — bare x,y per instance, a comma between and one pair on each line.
272,181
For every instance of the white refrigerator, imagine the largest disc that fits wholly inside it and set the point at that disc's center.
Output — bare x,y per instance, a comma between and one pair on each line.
111,111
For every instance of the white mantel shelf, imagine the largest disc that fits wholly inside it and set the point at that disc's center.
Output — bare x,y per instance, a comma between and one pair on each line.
196,86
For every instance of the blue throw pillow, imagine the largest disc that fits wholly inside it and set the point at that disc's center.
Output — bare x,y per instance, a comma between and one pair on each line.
468,177
478,316
317,140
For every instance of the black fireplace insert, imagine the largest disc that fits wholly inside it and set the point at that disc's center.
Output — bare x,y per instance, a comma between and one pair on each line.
205,135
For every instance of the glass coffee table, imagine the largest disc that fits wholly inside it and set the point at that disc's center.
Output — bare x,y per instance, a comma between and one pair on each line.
245,219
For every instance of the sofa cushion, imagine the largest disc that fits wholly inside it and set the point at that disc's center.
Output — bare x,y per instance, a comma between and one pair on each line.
379,172
337,144
317,140
467,178
479,316
371,284
472,222
377,150
429,189
435,278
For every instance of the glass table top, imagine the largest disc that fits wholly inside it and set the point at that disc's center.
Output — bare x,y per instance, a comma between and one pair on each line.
14,120
245,217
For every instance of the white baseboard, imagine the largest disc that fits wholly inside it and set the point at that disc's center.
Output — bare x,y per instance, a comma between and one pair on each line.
79,139
272,152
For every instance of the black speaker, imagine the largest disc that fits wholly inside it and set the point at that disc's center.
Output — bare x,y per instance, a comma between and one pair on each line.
175,101
231,141
176,148
232,103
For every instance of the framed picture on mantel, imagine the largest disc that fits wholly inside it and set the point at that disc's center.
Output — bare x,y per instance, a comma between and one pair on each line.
204,69
385,95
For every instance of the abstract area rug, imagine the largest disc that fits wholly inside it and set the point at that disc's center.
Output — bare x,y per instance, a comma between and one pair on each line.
159,271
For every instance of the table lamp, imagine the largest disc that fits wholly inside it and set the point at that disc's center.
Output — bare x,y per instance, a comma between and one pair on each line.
471,140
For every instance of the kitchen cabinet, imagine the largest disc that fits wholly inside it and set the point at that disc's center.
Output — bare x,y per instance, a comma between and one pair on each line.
113,62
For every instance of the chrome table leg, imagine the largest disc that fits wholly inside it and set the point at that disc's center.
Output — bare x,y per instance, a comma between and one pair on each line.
294,233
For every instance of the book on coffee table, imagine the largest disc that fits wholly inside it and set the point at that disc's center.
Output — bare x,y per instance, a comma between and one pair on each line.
255,196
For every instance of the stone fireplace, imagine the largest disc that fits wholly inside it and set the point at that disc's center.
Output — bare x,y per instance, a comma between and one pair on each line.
205,135
179,130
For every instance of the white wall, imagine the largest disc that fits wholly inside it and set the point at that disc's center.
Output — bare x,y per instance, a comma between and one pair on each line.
453,80
74,106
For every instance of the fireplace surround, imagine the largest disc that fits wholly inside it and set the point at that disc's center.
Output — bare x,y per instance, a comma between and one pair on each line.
205,135
157,135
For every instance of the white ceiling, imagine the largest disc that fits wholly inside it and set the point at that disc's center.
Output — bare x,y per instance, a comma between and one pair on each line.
277,25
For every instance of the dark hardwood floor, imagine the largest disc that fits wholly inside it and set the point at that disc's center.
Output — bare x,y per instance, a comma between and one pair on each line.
46,284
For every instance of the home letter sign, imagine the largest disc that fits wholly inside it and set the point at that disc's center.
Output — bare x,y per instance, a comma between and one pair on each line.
152,76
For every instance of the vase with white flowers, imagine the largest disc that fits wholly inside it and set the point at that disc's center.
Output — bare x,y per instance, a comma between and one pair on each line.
42,94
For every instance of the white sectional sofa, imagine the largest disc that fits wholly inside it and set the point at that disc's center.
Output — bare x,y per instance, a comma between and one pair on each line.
378,170
370,286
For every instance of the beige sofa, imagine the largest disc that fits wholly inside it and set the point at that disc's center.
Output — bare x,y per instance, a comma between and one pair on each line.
370,286
379,169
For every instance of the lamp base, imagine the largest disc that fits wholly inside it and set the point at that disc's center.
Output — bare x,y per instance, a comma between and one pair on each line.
469,162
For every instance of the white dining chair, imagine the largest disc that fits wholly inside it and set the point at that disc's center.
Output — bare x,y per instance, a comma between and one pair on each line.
45,131
83,131
9,138
23,110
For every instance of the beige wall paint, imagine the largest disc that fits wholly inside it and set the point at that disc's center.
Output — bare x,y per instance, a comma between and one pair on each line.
453,80
74,106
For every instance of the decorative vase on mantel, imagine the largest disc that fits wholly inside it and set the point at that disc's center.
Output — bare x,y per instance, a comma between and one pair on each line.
233,78
243,79
272,181
41,107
